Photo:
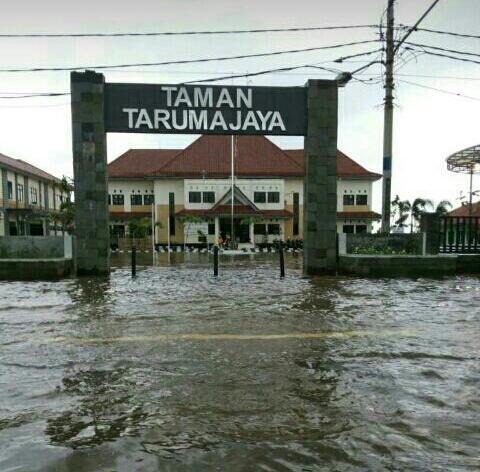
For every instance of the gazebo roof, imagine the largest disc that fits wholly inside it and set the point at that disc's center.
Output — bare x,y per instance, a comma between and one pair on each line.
465,161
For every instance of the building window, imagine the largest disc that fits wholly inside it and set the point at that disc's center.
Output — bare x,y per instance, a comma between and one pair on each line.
296,213
273,197
211,228
195,197
148,199
135,199
20,192
109,199
362,199
208,197
33,196
259,197
348,229
171,213
10,190
361,229
118,200
349,199
259,228
274,229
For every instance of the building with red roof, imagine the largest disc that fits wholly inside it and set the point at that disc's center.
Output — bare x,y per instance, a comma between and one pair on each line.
190,191
464,210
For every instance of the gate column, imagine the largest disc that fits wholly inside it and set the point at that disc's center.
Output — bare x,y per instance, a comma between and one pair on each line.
90,173
320,182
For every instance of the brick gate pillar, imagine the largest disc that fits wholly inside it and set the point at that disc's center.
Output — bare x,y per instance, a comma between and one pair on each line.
90,173
320,182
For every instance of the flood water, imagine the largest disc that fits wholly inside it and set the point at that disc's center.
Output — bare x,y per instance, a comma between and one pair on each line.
177,371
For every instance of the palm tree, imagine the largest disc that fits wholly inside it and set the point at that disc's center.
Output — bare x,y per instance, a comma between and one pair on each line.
402,207
442,208
418,208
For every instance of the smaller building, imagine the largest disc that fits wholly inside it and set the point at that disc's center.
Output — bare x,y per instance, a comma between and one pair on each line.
28,198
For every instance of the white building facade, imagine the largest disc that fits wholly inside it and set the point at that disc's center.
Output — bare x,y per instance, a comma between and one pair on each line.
29,197
187,194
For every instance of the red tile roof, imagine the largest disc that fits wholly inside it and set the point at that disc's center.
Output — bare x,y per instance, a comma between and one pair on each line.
464,210
140,162
254,156
240,210
22,166
346,166
359,215
210,156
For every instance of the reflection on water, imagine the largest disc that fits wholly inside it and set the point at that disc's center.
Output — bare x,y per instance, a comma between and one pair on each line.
176,370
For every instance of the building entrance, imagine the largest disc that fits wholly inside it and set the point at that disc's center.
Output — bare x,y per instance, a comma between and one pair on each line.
241,230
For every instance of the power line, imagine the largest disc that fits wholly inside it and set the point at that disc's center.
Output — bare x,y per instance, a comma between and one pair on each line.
254,74
436,48
189,61
226,32
415,26
180,33
34,95
449,92
437,54
270,71
449,33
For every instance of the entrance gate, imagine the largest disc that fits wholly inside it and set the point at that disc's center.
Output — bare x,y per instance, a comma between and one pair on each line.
99,107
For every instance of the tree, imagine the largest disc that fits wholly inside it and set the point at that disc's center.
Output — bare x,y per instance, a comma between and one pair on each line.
65,215
418,208
402,209
442,208
139,229
191,220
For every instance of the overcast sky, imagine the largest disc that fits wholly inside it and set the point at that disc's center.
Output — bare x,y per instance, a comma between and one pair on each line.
428,125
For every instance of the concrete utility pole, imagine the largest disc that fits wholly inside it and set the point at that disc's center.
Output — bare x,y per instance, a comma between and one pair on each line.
388,119
392,49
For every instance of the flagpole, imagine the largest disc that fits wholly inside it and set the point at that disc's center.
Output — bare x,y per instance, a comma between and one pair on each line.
233,194
153,229
168,233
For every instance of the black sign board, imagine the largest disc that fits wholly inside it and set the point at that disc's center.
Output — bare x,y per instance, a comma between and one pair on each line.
205,109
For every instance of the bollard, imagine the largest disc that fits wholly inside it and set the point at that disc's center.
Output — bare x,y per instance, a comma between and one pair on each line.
282,260
134,261
215,261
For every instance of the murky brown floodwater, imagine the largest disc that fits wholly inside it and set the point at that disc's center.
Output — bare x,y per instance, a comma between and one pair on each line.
176,371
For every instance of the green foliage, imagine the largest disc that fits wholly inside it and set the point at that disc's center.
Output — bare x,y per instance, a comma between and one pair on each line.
139,229
443,208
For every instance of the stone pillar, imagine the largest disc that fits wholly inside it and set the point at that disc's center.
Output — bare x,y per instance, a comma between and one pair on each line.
92,249
430,225
252,232
320,182
217,229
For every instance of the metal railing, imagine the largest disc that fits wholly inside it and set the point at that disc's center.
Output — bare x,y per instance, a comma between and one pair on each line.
460,234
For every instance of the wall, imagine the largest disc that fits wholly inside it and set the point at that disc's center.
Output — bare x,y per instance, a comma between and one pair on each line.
354,187
163,187
40,269
409,266
247,186
32,247
355,223
127,188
